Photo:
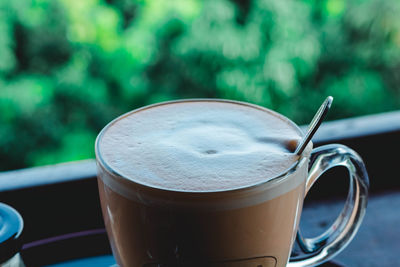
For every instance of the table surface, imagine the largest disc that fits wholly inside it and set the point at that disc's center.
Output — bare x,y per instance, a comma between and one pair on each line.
377,242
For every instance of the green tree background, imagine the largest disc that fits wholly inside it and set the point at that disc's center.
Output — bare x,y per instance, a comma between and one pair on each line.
68,67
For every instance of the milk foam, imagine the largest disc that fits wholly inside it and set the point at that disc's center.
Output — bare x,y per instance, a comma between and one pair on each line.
199,146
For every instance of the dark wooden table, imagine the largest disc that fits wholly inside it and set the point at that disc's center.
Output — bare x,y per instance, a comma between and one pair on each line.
378,240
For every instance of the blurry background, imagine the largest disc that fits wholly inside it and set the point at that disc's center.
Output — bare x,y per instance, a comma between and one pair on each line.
68,67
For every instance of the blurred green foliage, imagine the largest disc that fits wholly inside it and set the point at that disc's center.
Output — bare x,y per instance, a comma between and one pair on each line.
67,67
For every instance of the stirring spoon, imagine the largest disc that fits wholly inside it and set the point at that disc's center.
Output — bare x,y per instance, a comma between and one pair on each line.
314,124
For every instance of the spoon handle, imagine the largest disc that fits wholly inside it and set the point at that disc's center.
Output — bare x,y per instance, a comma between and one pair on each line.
314,124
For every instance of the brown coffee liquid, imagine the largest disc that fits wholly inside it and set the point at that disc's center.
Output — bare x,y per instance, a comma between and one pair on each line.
143,234
199,146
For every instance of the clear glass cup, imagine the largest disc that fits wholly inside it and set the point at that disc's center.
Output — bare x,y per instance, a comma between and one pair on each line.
251,226
11,226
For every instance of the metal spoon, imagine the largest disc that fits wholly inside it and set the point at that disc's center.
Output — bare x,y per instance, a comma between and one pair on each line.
314,124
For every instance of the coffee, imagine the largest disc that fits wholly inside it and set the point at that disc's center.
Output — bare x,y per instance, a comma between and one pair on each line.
199,146
177,183
143,233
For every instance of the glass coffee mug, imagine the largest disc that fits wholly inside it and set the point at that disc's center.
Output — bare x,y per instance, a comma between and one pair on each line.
252,225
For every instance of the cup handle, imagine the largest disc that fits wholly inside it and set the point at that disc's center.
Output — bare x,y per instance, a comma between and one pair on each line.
325,246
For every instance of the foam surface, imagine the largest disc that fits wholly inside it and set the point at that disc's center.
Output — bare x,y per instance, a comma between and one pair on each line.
199,146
